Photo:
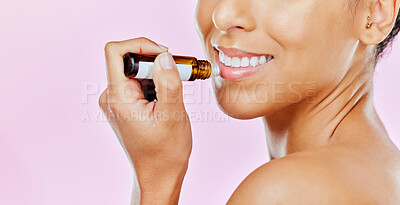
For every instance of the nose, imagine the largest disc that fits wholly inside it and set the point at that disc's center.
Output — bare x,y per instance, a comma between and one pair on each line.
230,15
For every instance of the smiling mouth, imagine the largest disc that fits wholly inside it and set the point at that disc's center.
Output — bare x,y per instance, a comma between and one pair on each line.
238,59
236,64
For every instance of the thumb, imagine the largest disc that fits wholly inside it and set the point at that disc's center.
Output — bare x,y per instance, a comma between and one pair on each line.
168,83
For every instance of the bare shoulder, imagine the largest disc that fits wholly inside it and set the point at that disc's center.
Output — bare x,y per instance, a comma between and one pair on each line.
323,176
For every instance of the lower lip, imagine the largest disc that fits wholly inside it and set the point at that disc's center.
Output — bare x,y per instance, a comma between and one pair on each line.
231,73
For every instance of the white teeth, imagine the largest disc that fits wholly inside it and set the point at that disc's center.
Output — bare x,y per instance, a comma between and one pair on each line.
221,57
236,62
254,61
262,60
228,61
245,62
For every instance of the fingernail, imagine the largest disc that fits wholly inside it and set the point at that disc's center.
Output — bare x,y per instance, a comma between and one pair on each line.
166,60
165,48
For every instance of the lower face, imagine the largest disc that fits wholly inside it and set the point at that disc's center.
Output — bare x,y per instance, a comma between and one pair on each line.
307,46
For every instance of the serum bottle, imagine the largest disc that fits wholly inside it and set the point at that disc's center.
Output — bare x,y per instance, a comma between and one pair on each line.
140,66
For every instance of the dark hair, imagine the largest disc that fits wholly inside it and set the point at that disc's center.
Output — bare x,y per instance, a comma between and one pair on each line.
380,48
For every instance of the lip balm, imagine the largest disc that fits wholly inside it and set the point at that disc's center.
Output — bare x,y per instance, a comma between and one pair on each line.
140,66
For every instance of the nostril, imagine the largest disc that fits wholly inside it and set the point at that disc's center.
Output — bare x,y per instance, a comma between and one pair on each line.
235,27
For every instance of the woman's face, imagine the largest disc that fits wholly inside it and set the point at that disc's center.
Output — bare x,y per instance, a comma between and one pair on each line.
312,43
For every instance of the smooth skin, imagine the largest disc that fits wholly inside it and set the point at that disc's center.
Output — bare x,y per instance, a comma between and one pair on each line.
327,144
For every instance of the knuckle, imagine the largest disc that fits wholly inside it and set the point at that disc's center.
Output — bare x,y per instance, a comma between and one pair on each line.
109,46
145,41
108,102
175,85
172,89
172,85
103,100
142,38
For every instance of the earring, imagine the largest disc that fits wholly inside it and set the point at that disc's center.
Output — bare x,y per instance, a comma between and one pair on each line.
368,24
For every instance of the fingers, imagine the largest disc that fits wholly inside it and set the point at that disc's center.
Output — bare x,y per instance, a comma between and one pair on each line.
168,84
119,85
114,52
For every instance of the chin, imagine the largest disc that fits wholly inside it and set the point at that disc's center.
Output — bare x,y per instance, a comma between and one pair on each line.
244,110
240,111
234,101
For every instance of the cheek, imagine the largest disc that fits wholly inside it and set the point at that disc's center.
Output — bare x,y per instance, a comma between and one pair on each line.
313,40
203,17
289,23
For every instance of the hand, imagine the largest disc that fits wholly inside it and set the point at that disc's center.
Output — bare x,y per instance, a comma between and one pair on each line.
156,135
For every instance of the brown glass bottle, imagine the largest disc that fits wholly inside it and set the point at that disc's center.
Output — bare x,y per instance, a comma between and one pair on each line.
140,66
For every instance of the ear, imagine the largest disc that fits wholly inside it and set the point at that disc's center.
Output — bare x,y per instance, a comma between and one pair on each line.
383,15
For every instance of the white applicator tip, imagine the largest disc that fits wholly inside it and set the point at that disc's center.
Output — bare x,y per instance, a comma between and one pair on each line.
215,71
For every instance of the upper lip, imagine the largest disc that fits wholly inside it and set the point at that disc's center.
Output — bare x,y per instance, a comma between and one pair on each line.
235,52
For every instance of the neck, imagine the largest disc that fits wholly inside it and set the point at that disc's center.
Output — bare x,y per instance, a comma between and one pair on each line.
306,125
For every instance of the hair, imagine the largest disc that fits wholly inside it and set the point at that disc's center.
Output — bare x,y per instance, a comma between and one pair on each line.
381,48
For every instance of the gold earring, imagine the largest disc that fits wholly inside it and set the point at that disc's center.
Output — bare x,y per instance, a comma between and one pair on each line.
368,24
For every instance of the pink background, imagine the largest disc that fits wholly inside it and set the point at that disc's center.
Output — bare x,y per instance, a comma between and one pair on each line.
55,145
